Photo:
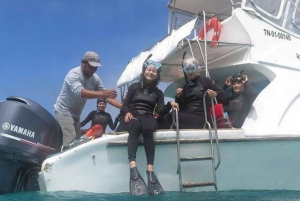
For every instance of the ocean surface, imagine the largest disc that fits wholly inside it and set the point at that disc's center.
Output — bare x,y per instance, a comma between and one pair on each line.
168,196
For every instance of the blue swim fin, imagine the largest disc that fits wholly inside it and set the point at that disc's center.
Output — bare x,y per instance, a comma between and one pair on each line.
137,185
154,186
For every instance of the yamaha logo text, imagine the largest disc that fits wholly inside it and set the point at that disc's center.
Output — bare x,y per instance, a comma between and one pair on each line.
18,129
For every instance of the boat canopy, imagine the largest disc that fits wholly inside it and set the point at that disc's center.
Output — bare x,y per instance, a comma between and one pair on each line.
284,14
220,8
159,52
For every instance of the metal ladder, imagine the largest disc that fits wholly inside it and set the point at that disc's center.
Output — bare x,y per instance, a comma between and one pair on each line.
211,157
213,136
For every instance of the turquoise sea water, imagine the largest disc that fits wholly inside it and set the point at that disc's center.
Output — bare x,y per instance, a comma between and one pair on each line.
168,196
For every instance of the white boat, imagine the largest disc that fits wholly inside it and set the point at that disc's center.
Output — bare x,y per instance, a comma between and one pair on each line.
259,37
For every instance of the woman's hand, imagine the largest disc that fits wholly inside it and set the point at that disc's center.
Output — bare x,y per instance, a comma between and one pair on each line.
178,92
211,93
128,116
228,81
174,105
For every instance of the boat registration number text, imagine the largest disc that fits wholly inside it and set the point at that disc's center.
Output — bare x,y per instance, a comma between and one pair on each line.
277,34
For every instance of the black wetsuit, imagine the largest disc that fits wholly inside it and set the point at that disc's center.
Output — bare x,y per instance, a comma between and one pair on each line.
100,117
140,102
191,108
238,105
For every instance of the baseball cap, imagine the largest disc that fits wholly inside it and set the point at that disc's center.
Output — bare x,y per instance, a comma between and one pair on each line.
92,58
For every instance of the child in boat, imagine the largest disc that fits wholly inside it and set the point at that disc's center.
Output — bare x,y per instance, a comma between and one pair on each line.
190,96
138,107
100,117
240,98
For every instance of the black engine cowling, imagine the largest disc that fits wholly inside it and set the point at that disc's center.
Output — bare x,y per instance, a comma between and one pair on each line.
28,134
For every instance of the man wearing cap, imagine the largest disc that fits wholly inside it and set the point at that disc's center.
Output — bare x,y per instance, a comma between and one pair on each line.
81,83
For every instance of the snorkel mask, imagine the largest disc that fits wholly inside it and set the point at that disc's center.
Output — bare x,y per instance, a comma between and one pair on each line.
147,63
236,78
157,65
190,68
99,100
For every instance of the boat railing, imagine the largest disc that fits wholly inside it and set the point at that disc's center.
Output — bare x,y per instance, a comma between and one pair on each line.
204,47
211,157
189,43
211,137
232,7
123,91
175,115
175,123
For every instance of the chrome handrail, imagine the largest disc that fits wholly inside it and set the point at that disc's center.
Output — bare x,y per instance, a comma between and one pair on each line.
176,123
215,130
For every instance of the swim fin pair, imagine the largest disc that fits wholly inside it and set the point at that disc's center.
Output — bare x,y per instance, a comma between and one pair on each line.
138,186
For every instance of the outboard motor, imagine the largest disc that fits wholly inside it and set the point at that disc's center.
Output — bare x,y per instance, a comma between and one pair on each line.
28,134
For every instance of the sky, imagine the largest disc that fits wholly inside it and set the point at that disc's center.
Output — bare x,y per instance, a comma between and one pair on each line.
40,41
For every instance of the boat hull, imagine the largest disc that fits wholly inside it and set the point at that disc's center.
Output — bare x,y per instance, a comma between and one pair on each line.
101,165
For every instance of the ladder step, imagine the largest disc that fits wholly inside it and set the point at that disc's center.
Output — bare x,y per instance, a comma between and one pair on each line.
202,158
197,184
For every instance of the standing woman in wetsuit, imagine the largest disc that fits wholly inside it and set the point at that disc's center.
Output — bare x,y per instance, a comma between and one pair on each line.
239,101
190,97
100,117
138,107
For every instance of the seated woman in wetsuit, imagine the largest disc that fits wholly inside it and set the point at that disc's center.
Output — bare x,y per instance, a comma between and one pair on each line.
99,120
239,100
190,97
138,107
